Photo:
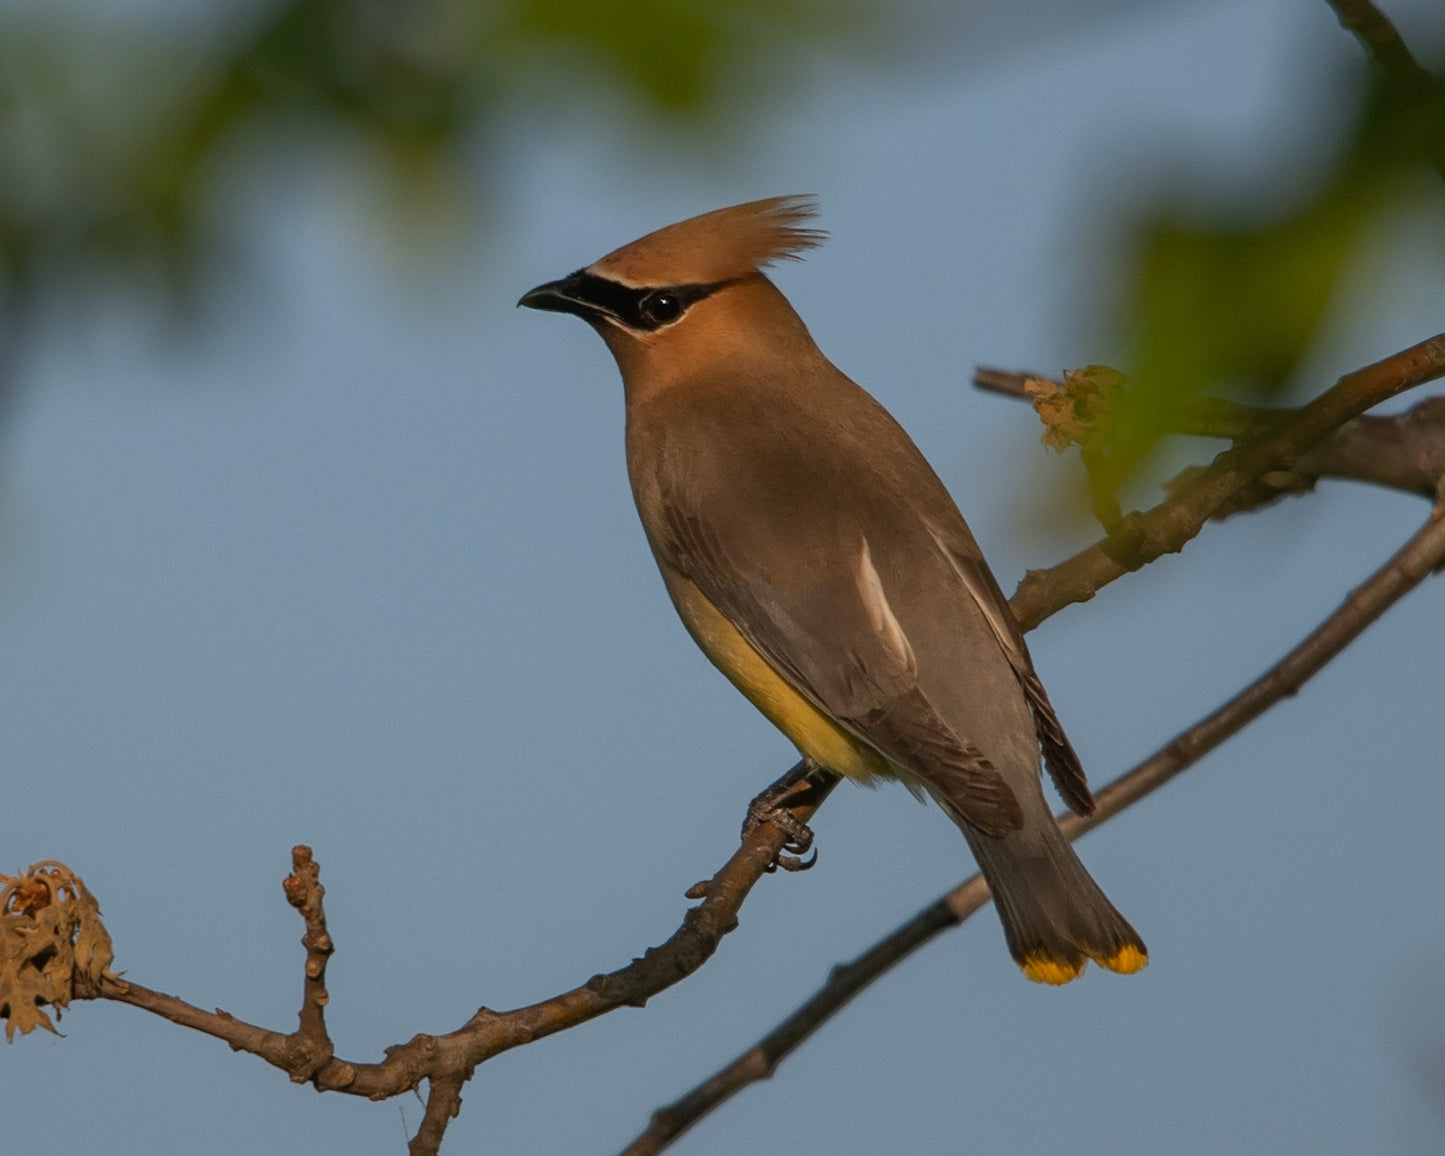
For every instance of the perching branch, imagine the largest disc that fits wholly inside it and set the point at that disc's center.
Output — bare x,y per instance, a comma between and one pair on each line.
448,1061
1141,538
1422,554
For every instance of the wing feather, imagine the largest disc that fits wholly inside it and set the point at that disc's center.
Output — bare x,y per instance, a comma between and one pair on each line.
1059,757
838,643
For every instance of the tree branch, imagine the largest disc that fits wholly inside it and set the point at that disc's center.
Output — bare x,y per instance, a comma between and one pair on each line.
1141,538
1403,452
313,1046
448,1061
1422,554
443,1105
1382,41
1402,72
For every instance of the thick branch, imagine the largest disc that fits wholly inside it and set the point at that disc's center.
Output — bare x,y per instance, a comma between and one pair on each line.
1423,553
1166,528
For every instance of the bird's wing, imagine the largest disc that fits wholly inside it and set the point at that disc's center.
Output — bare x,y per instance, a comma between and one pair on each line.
1063,764
830,632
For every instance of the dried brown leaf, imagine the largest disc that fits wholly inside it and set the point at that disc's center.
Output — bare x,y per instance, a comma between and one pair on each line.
1079,412
51,943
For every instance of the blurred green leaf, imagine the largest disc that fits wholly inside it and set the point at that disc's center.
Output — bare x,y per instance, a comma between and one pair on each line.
674,52
1233,306
107,140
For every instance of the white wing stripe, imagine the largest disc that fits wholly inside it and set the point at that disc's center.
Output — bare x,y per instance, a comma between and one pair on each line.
880,614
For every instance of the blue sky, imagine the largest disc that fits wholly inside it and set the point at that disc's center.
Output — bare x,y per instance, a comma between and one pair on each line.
355,564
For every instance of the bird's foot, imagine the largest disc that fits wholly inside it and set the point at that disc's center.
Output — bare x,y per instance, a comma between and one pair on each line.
771,807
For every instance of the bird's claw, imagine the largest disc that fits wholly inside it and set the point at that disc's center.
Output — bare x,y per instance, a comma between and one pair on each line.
769,808
794,862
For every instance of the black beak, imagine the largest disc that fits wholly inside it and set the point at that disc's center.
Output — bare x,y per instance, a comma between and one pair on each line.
562,296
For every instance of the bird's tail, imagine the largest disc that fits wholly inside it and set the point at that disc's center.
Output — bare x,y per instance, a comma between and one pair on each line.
1055,917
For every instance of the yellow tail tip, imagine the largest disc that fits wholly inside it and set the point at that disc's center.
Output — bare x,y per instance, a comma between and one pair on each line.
1127,960
1044,969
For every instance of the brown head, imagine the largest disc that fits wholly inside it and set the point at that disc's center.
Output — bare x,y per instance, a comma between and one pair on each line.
684,296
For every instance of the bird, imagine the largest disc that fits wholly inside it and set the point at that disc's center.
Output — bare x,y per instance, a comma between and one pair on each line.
818,561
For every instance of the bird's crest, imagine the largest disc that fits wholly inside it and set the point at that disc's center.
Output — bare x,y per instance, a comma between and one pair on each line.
716,246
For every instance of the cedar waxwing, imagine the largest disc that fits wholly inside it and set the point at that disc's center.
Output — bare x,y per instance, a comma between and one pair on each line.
818,561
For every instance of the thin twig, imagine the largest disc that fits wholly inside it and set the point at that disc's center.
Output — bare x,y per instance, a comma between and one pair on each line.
1401,71
1210,417
1423,553
312,1043
1403,452
1167,527
1382,41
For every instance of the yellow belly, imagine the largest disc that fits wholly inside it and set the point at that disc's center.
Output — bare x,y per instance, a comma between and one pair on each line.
811,731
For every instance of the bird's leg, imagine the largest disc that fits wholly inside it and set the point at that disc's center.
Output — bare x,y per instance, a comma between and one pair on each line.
772,807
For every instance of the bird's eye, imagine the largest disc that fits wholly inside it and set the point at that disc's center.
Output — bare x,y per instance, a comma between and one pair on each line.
660,307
